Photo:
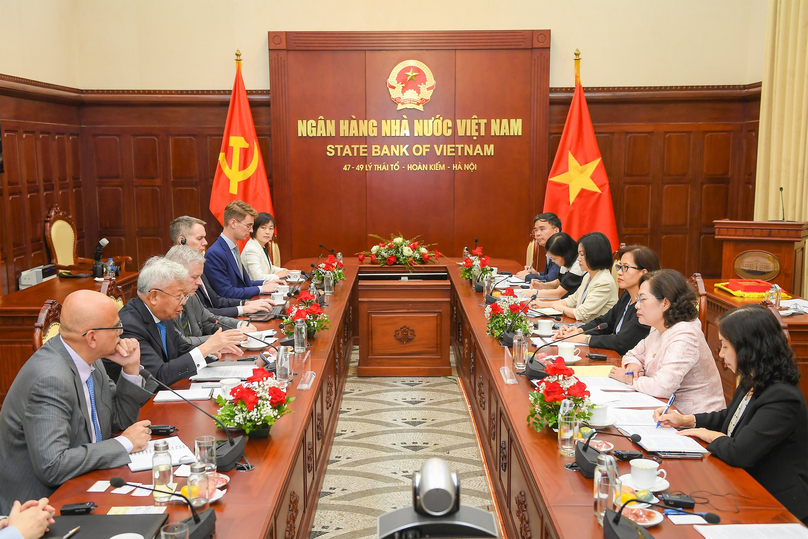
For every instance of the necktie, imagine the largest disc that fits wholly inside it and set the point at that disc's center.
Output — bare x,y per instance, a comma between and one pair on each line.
162,327
205,291
186,327
238,260
96,428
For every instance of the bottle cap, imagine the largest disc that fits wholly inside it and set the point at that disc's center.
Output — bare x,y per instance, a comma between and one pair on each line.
197,467
161,445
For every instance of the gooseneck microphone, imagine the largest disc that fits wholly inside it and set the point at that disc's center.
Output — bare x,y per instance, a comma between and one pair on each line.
616,528
535,370
586,458
227,454
326,249
507,336
475,242
635,438
200,526
782,204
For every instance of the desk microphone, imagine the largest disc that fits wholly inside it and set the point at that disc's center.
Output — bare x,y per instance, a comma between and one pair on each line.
489,299
506,338
227,454
535,370
327,250
586,458
782,204
615,528
199,526
262,341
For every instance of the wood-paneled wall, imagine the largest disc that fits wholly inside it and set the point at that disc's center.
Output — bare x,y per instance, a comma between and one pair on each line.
127,163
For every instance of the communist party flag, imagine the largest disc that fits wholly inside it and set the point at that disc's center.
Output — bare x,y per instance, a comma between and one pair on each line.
240,174
577,187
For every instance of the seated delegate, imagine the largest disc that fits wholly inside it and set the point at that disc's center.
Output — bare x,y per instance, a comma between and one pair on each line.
625,330
261,255
675,357
598,291
764,430
59,416
563,251
29,520
544,226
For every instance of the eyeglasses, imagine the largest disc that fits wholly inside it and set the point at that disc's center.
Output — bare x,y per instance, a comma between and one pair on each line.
639,299
181,299
249,226
118,328
624,267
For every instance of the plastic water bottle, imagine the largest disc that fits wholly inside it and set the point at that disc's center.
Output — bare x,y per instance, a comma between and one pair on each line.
300,337
519,351
339,256
313,289
198,485
328,283
162,472
607,486
110,269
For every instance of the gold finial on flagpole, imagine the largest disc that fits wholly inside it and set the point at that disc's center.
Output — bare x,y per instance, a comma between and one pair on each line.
238,55
577,67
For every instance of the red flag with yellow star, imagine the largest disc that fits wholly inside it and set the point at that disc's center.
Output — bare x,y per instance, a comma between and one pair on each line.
240,174
577,187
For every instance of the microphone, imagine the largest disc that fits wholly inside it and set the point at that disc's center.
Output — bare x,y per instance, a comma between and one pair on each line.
199,526
226,326
506,338
535,370
782,204
98,266
586,458
227,455
615,528
104,242
475,242
489,299
634,437
327,250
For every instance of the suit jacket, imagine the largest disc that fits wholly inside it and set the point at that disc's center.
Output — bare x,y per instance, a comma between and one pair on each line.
770,442
45,428
224,274
257,262
216,303
601,295
201,322
631,331
138,323
549,273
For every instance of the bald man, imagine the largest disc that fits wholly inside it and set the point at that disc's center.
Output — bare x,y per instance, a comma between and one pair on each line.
59,416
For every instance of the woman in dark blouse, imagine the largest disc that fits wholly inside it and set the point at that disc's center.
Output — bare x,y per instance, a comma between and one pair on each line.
764,430
562,250
624,330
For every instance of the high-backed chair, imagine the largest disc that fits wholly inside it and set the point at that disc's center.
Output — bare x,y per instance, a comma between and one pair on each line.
111,288
698,285
769,305
47,324
60,234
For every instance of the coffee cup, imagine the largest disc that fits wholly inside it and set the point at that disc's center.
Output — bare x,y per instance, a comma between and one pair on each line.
278,297
644,473
283,289
600,414
494,271
545,327
294,275
228,384
569,352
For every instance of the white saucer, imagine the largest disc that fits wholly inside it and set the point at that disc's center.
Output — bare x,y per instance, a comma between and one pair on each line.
250,344
295,281
659,486
127,536
601,445
656,519
609,422
575,359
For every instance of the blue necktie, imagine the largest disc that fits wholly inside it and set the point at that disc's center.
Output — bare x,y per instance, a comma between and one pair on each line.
162,327
96,428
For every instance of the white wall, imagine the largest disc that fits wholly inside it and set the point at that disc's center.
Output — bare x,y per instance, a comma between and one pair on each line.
190,44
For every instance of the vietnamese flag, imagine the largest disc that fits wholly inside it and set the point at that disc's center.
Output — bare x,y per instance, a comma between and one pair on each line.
577,187
240,174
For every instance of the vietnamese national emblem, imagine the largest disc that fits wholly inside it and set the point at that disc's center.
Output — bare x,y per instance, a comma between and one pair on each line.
411,85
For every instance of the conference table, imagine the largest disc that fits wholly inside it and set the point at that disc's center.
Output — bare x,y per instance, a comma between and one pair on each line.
535,495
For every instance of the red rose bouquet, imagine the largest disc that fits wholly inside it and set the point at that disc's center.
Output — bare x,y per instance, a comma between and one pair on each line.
476,266
559,385
506,313
398,251
307,310
255,403
332,266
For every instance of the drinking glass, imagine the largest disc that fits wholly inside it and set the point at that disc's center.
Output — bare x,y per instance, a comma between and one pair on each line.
568,427
178,530
283,366
205,448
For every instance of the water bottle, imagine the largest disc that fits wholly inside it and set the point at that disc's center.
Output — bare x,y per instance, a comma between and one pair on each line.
328,283
519,351
110,269
162,472
466,252
283,367
198,485
313,289
300,337
607,486
339,257
568,427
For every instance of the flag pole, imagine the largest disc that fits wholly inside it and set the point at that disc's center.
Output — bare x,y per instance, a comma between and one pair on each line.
577,67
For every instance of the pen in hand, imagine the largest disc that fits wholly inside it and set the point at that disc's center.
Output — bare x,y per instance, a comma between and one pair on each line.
667,407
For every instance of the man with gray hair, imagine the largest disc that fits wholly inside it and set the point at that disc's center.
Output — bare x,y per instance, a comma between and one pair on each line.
195,323
161,293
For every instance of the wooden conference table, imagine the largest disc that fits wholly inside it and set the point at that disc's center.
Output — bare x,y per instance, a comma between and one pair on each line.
536,496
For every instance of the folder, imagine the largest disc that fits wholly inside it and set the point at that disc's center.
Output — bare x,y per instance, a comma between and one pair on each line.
97,526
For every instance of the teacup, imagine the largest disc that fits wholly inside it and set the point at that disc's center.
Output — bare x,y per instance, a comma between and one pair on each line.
278,297
228,384
569,352
294,275
600,414
545,327
644,473
283,288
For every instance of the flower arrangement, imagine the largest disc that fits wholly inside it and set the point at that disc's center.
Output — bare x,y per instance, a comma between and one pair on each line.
559,385
507,312
398,251
332,266
476,266
257,403
306,309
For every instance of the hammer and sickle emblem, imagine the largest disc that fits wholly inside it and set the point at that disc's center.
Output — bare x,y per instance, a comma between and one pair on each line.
236,175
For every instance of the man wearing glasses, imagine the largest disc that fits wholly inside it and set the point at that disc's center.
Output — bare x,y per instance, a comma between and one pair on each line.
161,294
59,416
224,270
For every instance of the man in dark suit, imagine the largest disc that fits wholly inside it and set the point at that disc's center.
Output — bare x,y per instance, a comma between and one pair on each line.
161,293
59,416
227,276
190,231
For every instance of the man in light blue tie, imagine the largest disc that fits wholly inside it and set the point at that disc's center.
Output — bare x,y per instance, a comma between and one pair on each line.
59,416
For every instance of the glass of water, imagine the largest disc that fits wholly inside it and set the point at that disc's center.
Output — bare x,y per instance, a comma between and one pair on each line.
283,365
178,530
328,283
568,428
205,449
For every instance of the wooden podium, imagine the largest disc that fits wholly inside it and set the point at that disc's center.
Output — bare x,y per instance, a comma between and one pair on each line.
772,251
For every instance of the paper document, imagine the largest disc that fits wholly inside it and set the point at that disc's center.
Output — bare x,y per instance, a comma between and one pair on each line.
600,382
663,439
138,510
627,416
180,454
753,531
592,371
220,372
201,394
99,486
686,519
546,311
539,341
602,397
791,303
637,400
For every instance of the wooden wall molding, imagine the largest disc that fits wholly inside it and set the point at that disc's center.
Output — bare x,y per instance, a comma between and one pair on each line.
637,94
440,40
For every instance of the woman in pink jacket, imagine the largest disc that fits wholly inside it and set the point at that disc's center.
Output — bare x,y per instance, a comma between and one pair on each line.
675,357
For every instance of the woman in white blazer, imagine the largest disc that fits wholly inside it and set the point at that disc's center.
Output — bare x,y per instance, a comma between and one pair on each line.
261,255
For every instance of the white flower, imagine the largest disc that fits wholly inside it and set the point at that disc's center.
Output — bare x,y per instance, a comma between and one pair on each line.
407,251
374,249
424,250
398,241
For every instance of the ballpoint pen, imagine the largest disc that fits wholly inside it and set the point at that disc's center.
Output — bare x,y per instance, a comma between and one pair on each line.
71,533
667,407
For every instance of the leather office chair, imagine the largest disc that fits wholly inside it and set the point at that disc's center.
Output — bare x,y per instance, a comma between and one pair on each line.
60,234
111,288
47,324
698,284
